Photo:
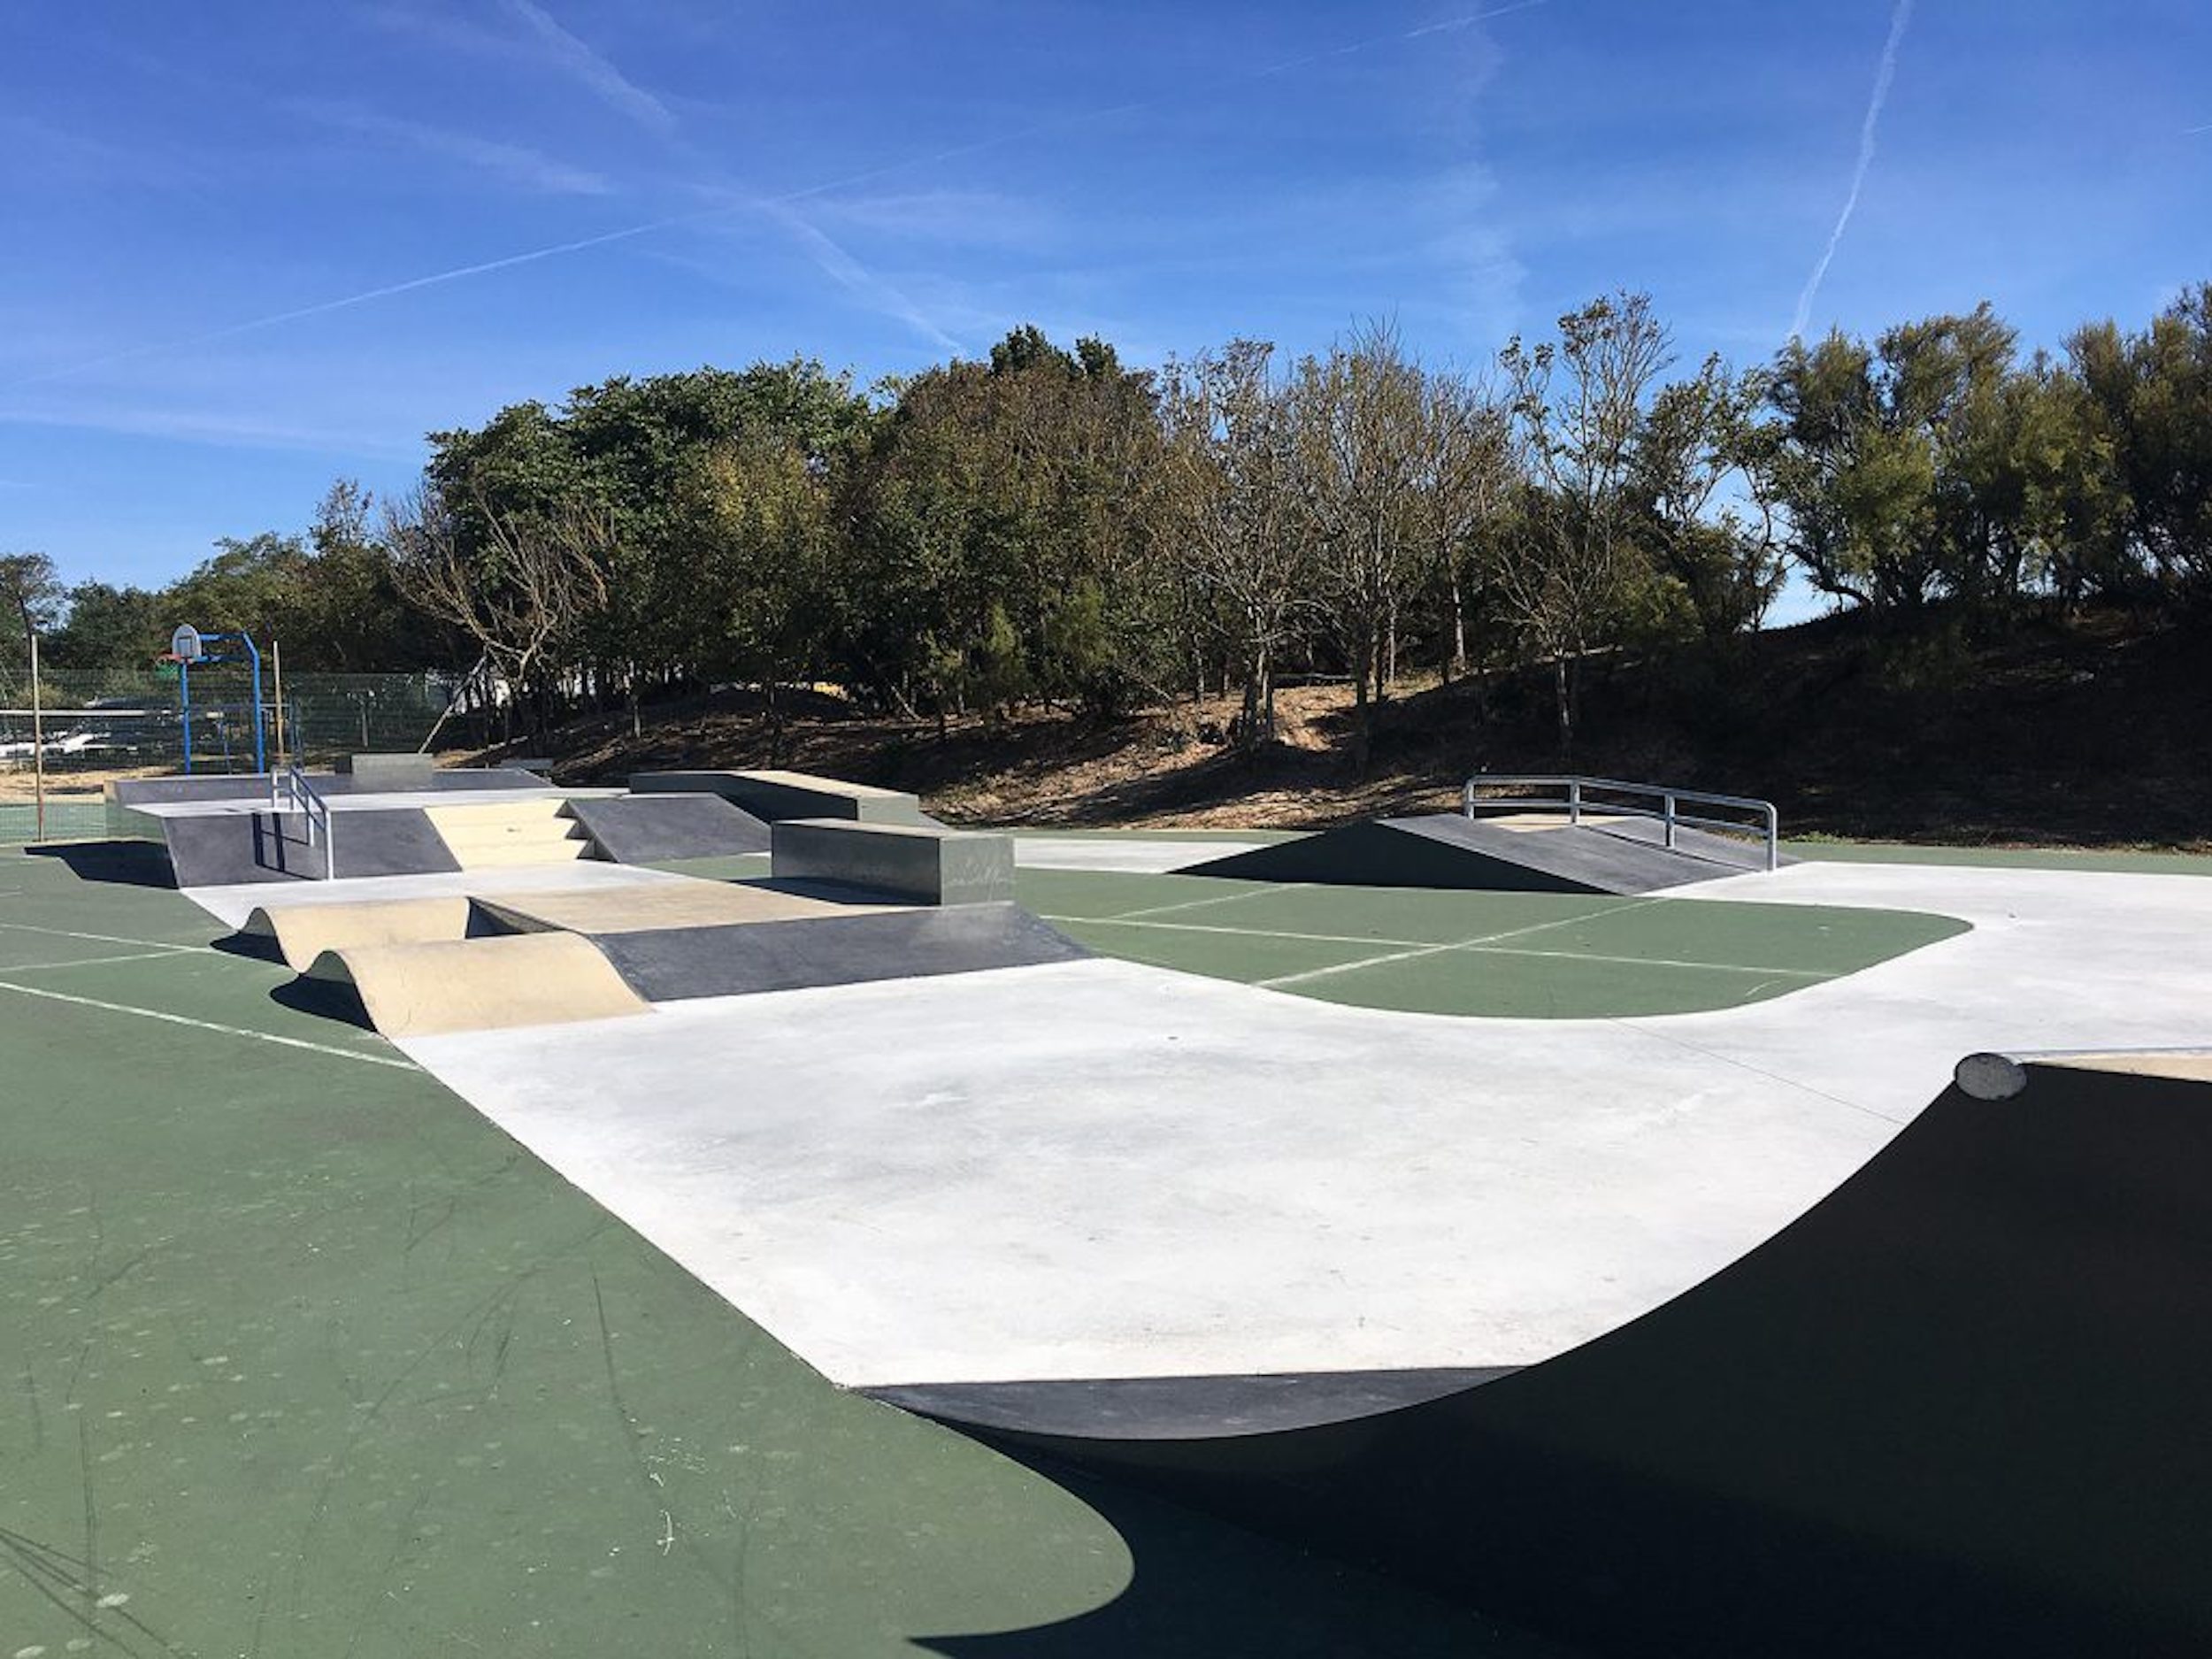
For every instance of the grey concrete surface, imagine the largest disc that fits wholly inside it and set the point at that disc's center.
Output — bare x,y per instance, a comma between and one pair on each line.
235,905
389,771
228,848
771,796
901,1180
926,867
668,964
650,828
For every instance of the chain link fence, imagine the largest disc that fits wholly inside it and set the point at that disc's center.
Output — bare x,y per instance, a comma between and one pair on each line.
97,724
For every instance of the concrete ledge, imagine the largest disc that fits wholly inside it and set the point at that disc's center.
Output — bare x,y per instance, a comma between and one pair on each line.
928,866
376,773
774,796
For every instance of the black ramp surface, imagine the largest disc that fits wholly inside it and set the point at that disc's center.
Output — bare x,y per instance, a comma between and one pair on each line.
667,965
1957,1408
220,849
1445,849
649,828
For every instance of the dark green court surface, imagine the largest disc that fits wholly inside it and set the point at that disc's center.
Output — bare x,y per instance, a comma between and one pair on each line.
1530,954
302,1357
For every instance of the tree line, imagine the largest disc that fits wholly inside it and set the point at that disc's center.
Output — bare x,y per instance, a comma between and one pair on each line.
1050,525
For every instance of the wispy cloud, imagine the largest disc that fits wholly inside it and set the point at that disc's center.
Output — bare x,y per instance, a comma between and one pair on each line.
203,425
535,40
591,69
856,277
1447,26
835,261
2191,131
512,163
1883,75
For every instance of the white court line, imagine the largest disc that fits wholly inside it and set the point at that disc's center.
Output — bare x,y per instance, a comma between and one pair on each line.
102,938
1458,944
208,1025
1415,946
91,962
1218,898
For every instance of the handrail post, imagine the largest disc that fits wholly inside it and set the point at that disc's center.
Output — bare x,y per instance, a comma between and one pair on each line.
1669,803
1467,799
1574,800
1774,839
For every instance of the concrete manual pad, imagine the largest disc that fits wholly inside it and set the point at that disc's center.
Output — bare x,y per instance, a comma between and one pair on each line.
922,865
296,934
491,984
1100,1170
684,902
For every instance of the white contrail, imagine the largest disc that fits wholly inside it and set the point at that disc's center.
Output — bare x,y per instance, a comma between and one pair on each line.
1897,19
387,291
2191,131
833,260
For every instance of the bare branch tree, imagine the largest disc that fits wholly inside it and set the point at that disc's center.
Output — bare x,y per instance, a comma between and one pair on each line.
518,589
1577,409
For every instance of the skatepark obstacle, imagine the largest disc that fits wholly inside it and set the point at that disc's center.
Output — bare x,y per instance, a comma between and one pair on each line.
922,865
771,796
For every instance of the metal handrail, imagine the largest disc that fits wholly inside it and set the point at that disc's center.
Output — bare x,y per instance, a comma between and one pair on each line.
1669,811
290,791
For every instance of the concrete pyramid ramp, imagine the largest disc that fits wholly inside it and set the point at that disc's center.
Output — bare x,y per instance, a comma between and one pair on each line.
422,990
296,934
649,828
1445,849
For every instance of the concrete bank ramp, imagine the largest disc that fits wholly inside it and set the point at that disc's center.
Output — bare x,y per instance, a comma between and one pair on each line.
295,934
228,848
1534,854
423,990
1956,1408
847,945
651,828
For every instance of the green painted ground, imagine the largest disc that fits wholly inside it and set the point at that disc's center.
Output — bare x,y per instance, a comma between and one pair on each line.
303,1357
1539,956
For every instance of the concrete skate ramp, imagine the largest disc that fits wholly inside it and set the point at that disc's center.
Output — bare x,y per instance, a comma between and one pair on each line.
1957,1408
774,796
295,934
226,848
847,949
650,828
671,904
1444,849
423,990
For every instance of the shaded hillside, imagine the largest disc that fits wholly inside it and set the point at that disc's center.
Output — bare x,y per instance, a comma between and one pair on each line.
2094,730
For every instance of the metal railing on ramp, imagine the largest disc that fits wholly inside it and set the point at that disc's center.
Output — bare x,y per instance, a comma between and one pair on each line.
1571,795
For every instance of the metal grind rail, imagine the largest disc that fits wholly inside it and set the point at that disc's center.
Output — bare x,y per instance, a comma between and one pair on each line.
289,791
1571,794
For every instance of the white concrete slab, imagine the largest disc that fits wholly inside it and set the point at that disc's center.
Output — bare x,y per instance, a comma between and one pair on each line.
233,904
1153,857
1100,1169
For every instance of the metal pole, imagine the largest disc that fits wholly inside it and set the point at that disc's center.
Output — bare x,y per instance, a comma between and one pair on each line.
1669,805
184,701
38,730
1574,800
260,743
276,661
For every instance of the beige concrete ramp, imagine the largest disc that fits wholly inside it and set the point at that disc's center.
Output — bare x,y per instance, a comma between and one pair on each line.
298,934
421,990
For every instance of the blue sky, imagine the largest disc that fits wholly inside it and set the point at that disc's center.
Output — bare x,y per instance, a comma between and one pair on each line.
228,230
